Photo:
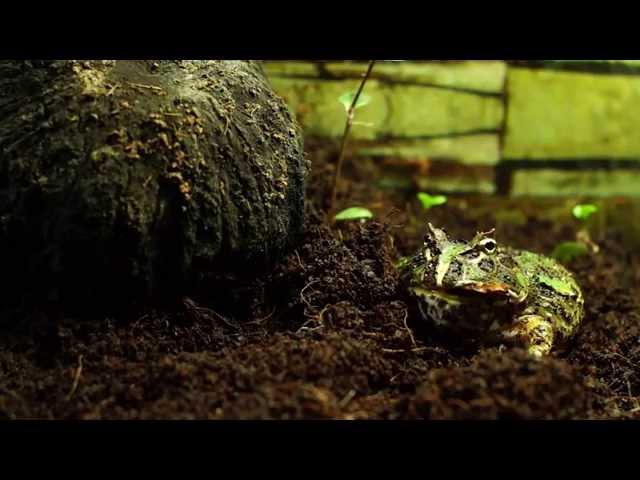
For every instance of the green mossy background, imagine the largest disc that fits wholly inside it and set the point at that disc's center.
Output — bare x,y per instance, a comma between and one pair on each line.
544,128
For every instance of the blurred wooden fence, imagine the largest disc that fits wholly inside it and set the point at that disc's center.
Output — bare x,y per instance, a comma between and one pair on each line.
518,128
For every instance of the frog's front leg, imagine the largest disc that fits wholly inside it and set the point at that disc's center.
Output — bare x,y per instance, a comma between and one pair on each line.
532,331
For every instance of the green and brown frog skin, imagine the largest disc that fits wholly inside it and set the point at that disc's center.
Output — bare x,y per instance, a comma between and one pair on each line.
492,293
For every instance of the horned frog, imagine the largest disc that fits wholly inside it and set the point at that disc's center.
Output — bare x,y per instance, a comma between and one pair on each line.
493,293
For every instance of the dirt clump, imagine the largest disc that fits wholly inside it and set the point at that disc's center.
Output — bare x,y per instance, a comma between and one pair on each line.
500,386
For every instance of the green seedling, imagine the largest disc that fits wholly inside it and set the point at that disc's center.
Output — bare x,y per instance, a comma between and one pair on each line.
354,213
583,211
565,252
357,100
428,201
346,99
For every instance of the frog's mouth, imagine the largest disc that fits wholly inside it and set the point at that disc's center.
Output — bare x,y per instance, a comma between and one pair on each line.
491,289
486,288
474,291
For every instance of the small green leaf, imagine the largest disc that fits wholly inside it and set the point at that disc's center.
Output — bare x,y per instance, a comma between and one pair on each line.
346,99
567,251
354,213
560,286
403,262
582,212
429,201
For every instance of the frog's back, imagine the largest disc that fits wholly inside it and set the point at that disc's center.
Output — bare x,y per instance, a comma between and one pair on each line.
553,291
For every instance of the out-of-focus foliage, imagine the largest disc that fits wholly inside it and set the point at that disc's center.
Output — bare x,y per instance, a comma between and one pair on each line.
346,99
584,211
428,201
567,251
354,213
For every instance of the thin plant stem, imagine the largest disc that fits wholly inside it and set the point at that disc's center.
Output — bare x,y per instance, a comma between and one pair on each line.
345,136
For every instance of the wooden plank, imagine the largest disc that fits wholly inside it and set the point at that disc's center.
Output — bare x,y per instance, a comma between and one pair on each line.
291,69
423,111
555,114
627,67
481,149
596,183
480,75
318,110
394,111
451,185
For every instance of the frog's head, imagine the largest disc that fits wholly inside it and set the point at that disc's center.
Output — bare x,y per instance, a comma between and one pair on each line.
463,267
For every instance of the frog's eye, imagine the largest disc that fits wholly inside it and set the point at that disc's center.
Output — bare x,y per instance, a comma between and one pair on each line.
488,245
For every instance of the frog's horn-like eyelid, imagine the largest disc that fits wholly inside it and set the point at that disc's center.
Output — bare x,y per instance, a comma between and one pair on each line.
439,234
435,230
484,234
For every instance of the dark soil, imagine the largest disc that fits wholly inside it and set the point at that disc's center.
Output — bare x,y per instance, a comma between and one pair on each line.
328,332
